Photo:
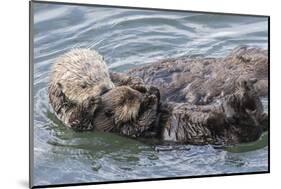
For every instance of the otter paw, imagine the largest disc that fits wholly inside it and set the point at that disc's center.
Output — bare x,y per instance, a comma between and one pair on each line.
129,130
74,123
154,91
140,88
149,100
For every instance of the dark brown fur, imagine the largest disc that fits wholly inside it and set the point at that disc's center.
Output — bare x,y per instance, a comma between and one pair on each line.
220,100
127,111
77,81
235,118
202,80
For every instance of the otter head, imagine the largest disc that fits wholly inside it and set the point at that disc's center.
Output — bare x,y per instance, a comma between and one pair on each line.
122,103
244,106
81,75
128,111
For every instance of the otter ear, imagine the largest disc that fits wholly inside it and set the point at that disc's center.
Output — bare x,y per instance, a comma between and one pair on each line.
59,90
59,85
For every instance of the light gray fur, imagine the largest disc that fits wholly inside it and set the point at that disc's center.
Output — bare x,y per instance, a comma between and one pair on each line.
78,78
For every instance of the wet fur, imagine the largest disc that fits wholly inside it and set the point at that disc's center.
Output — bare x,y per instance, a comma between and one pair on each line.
199,80
78,79
127,111
222,95
218,106
220,98
235,118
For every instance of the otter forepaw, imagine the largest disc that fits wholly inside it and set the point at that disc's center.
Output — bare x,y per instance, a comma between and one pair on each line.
149,100
139,87
74,124
129,130
74,121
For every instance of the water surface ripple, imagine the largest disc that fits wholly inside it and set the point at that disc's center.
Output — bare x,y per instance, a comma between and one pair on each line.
129,38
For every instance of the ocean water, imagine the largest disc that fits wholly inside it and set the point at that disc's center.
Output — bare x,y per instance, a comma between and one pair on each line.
128,38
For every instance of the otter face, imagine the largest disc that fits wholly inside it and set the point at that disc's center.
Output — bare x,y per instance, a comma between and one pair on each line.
123,103
80,90
77,81
128,111
81,74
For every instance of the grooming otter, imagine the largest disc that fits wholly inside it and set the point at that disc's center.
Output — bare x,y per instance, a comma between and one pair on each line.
78,79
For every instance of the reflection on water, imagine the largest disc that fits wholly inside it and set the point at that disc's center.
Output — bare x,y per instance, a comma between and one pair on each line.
129,38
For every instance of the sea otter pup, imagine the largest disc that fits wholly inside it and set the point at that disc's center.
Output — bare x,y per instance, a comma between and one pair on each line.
128,111
77,81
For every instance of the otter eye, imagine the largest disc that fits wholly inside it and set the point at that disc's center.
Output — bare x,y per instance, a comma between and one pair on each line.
83,85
